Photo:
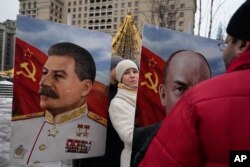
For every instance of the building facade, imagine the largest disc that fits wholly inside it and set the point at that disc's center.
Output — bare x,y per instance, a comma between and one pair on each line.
174,14
107,15
7,43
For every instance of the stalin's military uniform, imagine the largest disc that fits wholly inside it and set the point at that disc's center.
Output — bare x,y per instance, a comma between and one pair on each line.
74,134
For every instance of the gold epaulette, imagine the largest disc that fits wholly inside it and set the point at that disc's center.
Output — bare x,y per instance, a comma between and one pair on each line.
97,118
27,116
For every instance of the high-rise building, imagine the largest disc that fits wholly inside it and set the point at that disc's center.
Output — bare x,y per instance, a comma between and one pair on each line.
106,15
7,36
174,14
42,9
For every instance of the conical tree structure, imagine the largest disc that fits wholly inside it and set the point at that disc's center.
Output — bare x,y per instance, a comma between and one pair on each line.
127,41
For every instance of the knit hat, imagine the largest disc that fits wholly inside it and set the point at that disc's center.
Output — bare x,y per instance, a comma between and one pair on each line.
114,61
239,24
122,67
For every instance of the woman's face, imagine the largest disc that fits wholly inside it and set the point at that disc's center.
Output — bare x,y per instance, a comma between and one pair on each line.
130,78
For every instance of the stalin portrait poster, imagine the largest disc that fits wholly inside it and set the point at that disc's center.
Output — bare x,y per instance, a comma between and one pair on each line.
60,103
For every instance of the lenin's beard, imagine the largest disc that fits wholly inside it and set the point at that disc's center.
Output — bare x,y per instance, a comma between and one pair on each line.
46,91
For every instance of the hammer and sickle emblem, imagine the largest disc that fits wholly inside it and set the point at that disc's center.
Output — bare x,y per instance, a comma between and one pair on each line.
151,84
28,73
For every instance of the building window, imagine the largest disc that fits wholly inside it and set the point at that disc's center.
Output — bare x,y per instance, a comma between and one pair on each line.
29,5
74,3
116,5
115,19
122,5
68,10
79,21
135,10
135,18
136,3
79,15
80,2
129,4
180,23
171,6
79,9
181,14
122,12
86,2
23,5
74,9
34,4
182,5
114,26
74,16
69,3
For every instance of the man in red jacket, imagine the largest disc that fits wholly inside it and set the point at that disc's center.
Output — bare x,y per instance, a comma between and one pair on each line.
212,118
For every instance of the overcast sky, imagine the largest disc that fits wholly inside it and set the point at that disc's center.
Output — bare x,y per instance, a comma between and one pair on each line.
9,10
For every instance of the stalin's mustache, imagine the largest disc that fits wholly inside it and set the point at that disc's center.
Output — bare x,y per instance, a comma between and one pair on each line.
47,91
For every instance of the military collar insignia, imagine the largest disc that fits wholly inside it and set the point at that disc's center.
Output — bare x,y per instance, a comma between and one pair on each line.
66,116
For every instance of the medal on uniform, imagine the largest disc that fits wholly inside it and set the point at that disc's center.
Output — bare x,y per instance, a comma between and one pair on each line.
19,152
53,131
86,133
77,146
79,133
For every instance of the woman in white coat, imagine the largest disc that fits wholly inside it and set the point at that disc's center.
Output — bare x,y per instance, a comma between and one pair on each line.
122,106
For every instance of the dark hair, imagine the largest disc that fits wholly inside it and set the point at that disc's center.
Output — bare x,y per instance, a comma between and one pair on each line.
84,63
168,61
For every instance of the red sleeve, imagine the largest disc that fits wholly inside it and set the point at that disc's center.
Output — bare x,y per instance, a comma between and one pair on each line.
177,141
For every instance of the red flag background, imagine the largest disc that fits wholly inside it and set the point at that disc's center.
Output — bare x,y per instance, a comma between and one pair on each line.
27,74
149,107
97,99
